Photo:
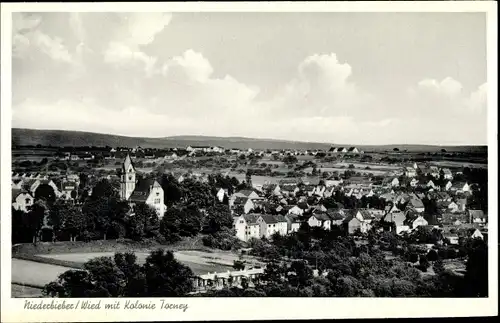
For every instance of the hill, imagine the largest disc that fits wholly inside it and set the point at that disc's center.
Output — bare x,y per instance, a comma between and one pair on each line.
60,138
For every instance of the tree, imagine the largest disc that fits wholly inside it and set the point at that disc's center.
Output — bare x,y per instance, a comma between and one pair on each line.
396,149
438,266
100,278
103,189
300,274
36,217
45,192
171,189
165,276
217,217
144,222
238,265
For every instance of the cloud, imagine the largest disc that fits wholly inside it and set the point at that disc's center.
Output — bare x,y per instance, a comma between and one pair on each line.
121,56
447,97
138,30
28,39
121,85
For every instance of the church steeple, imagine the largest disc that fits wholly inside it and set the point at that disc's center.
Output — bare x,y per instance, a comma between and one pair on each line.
128,178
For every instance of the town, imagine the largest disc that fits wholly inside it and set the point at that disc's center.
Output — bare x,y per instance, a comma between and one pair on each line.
421,207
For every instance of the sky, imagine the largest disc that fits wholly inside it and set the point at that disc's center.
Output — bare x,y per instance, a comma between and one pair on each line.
351,78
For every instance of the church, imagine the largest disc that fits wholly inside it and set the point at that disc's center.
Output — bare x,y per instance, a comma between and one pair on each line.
147,191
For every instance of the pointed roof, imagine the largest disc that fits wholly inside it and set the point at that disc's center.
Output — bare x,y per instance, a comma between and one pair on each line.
127,163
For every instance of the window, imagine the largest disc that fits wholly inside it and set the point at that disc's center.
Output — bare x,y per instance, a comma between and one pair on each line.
241,221
28,201
157,193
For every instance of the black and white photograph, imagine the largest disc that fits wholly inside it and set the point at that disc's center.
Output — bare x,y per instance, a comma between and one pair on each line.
265,154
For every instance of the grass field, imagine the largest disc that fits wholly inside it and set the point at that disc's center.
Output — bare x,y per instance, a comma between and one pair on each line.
35,273
200,262
23,291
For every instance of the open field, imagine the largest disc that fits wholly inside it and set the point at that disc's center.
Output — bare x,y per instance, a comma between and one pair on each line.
22,291
200,262
35,273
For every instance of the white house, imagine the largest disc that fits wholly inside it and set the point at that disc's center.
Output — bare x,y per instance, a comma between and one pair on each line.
333,182
22,200
320,220
447,174
270,224
293,223
418,221
221,193
410,172
296,210
247,227
414,182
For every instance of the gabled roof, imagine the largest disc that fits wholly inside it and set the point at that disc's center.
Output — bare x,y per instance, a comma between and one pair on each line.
336,215
321,216
16,192
272,219
477,214
251,219
239,200
397,218
365,214
417,203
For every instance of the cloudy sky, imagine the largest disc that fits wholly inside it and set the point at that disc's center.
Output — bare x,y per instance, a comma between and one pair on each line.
360,78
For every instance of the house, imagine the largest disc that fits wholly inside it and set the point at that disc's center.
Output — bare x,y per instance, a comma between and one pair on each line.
309,189
17,184
336,217
69,188
272,189
410,172
477,216
351,224
332,182
320,220
221,193
462,205
416,204
247,227
289,189
447,174
271,224
451,237
249,194
353,150
147,191
414,182
338,150
320,190
293,223
431,184
390,182
460,187
296,210
391,208
397,219
320,208
22,200
454,219
452,207
415,222
243,204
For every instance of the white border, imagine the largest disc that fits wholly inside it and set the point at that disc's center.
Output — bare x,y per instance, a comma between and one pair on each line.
258,308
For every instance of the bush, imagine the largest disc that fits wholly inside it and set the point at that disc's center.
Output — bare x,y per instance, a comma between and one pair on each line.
224,240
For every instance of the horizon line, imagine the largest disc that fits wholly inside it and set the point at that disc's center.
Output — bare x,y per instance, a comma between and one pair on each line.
253,138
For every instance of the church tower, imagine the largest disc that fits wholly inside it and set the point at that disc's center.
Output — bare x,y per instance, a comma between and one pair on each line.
127,182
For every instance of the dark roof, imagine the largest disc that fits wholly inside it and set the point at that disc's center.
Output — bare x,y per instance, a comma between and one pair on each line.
477,214
239,200
335,215
272,219
16,192
321,216
251,218
397,217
